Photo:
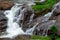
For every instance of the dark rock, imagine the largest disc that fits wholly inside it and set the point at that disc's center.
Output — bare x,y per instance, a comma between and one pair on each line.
3,21
5,39
56,13
31,24
58,0
41,12
27,14
57,10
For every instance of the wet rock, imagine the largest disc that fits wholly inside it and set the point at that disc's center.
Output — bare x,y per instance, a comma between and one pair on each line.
47,25
58,24
39,20
3,21
57,10
27,14
44,27
5,5
31,24
53,17
19,37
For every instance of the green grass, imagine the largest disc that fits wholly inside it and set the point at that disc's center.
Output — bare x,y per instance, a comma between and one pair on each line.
37,37
47,4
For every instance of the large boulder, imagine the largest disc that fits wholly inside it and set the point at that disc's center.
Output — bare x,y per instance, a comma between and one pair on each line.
5,5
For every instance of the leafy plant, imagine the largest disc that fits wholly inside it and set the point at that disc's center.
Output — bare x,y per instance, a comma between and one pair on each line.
53,29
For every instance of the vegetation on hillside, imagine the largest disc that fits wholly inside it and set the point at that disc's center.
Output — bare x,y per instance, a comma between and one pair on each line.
45,5
51,36
37,37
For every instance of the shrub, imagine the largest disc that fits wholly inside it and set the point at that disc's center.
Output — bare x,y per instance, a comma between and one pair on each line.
53,29
53,35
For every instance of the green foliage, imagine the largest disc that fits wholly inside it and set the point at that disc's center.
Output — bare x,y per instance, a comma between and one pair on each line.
45,5
53,36
58,39
37,37
53,29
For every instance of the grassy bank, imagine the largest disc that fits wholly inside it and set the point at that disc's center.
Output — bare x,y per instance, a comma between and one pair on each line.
45,5
37,37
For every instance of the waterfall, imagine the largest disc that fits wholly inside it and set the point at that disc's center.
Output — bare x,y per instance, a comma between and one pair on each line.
14,15
46,18
31,17
49,14
31,29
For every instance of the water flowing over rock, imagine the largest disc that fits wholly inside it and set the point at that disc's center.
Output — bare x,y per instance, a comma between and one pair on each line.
20,21
57,10
45,26
13,19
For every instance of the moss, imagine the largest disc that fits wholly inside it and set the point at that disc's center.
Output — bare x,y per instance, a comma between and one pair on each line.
47,4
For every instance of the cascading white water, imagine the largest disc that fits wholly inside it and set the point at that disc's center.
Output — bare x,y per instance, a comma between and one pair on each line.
49,14
31,17
13,28
42,0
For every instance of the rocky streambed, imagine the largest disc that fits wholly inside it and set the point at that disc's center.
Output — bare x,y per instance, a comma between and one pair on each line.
37,18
